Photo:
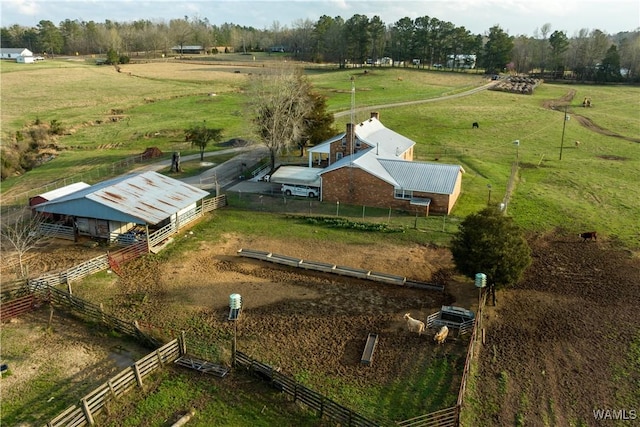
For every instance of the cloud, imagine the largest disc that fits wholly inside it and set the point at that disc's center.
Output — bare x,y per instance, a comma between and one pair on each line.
22,7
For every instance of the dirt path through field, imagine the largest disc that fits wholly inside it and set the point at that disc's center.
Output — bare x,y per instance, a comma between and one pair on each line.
560,103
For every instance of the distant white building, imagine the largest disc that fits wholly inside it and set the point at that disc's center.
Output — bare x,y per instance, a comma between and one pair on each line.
21,55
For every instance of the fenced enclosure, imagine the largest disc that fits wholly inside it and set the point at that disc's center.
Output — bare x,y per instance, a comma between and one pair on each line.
83,412
276,202
323,406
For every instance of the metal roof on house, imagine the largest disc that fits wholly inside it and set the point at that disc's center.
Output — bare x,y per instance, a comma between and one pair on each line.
16,51
140,198
434,178
388,143
63,191
374,134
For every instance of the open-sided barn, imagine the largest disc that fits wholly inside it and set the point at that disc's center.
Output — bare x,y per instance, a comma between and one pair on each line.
115,206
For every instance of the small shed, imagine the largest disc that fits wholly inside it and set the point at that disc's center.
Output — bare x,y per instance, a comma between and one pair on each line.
58,192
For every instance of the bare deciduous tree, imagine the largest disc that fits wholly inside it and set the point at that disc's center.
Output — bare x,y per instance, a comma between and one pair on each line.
20,234
280,102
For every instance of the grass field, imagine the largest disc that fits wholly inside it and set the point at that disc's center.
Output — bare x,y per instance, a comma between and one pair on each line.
111,116
590,187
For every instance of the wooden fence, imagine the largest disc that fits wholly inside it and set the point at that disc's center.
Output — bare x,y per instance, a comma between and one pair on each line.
443,418
96,314
324,406
471,350
82,413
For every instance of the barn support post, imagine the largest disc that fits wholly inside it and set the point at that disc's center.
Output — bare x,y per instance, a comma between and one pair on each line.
146,231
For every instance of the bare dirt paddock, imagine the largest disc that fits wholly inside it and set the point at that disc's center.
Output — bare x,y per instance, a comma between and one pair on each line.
558,345
309,324
298,321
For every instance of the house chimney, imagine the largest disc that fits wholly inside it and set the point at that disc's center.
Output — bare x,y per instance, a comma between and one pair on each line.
375,115
351,138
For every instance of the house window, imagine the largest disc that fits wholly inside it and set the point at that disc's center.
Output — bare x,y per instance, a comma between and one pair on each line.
401,193
344,142
338,156
357,143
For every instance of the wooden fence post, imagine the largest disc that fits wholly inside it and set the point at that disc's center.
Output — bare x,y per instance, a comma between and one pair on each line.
87,412
136,371
102,318
183,343
113,391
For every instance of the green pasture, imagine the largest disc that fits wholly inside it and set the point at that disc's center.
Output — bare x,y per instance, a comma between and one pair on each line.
112,116
177,392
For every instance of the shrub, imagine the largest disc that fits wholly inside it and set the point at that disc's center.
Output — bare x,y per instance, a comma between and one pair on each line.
56,128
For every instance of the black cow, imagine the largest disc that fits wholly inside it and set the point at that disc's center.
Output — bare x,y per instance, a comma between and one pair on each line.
589,235
475,125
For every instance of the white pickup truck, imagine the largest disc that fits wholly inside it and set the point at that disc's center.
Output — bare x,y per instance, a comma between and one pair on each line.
300,190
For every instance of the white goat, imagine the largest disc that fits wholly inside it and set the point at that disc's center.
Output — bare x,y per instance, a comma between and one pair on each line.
414,325
441,335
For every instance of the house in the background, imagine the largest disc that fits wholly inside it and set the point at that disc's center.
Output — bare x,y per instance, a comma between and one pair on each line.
21,55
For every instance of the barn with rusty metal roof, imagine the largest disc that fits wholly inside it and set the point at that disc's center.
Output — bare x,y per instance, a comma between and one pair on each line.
119,204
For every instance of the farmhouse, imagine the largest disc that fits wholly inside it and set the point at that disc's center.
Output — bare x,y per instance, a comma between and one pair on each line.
113,207
21,55
372,165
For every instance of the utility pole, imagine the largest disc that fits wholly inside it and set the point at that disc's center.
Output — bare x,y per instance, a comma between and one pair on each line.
564,124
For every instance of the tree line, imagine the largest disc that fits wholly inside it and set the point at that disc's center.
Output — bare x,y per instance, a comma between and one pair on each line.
421,42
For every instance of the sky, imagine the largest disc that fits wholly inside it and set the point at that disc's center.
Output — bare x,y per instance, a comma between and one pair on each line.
516,17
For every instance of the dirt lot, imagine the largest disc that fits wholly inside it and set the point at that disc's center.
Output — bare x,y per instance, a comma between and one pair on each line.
558,345
295,321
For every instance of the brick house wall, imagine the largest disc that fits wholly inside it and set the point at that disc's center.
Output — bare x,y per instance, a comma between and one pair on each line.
343,146
358,187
